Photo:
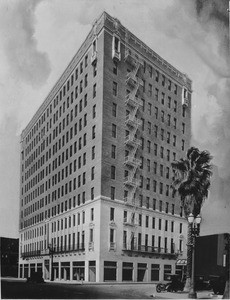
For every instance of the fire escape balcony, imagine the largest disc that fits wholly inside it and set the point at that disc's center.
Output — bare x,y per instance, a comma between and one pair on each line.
131,58
133,80
116,55
132,100
185,101
132,141
94,57
132,161
129,201
130,222
132,121
131,181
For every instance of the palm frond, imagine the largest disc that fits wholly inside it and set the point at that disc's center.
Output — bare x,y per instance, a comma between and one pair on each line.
192,179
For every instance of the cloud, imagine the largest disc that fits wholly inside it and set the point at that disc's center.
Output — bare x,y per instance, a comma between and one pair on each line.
44,35
25,62
202,26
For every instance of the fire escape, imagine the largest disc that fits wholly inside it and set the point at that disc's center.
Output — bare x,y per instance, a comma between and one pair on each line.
133,103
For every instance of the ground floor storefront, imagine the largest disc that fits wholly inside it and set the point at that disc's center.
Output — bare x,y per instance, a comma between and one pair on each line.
126,270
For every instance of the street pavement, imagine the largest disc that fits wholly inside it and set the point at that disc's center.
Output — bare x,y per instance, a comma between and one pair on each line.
13,288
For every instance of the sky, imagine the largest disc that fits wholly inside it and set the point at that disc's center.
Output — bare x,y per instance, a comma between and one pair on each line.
39,38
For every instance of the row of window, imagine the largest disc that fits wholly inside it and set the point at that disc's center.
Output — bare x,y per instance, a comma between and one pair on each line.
62,93
81,198
61,126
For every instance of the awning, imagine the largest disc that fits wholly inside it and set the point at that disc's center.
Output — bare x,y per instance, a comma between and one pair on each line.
181,262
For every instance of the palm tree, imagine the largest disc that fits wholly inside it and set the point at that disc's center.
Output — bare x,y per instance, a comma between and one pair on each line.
227,284
192,181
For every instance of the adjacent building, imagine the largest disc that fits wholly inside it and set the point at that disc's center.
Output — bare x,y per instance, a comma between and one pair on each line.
9,257
95,201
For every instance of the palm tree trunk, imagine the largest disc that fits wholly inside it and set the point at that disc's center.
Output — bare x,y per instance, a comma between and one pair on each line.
226,290
189,259
227,284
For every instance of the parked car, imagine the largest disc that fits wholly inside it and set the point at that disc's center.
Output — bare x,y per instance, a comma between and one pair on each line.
36,277
201,283
174,284
217,283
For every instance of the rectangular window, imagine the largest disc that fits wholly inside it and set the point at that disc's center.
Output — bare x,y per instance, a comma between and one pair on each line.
93,152
155,272
148,165
86,61
150,90
169,85
156,112
172,226
163,99
112,213
156,94
154,186
154,203
163,80
92,214
160,205
86,80
149,127
92,193
114,110
113,151
173,209
166,225
112,196
94,90
161,188
175,90
94,132
114,130
140,220
169,102
175,106
153,223
183,128
113,172
114,88
157,76
159,224
166,207
92,173
115,67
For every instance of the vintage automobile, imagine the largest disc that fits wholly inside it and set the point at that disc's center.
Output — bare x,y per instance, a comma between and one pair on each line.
174,284
36,277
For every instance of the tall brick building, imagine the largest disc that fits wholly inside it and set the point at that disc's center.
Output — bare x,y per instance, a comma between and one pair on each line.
96,203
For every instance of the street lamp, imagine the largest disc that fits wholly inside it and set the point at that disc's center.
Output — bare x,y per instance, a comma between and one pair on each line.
195,231
51,251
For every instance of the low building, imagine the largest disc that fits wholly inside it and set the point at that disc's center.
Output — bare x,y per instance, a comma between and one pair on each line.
9,257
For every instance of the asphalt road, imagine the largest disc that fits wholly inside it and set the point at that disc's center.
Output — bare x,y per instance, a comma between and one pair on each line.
12,288
18,289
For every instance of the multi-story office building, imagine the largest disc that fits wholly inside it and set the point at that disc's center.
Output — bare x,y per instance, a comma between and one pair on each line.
95,200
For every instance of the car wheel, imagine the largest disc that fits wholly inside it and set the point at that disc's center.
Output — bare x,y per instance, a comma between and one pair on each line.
158,289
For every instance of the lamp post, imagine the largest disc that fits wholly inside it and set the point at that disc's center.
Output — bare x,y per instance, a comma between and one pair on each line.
51,251
195,231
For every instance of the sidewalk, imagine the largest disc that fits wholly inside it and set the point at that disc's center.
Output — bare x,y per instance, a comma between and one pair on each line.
184,295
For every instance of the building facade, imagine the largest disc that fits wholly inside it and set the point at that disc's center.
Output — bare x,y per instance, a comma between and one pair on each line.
95,202
9,256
